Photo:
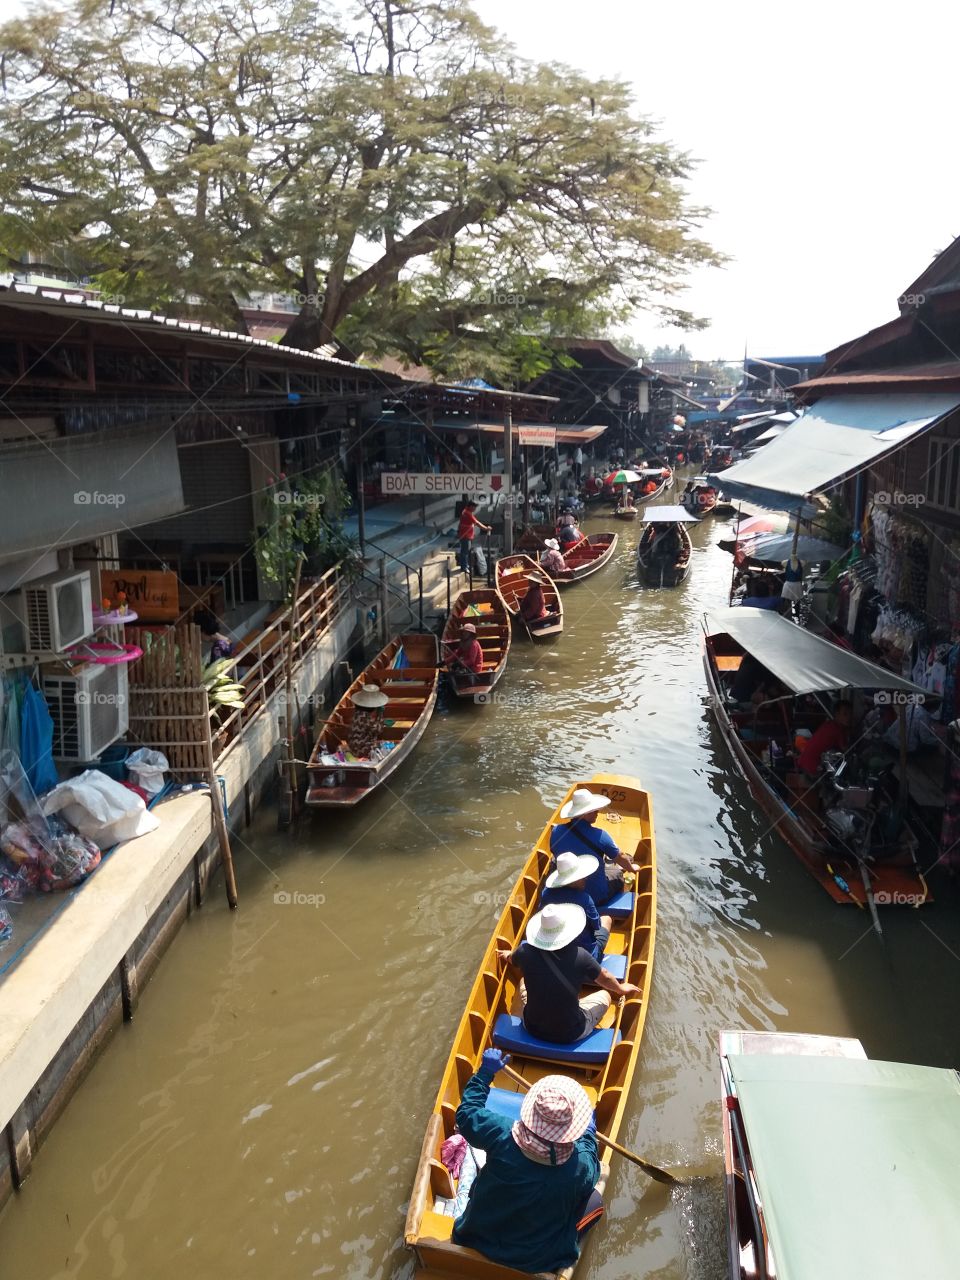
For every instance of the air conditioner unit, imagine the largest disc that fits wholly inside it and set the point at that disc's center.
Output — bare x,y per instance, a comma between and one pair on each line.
89,707
57,611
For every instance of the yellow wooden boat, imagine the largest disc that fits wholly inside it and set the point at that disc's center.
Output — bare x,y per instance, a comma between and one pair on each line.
606,1078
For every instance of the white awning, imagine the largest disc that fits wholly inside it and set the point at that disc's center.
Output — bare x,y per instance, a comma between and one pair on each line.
835,438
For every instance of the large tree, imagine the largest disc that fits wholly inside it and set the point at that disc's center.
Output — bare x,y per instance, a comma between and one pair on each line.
395,167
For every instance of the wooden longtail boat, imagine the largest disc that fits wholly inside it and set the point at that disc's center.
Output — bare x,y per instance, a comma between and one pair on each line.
485,609
654,567
816,1138
512,587
533,540
407,671
626,513
806,813
586,557
493,999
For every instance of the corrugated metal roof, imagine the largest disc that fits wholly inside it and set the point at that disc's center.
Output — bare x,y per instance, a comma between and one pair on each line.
939,371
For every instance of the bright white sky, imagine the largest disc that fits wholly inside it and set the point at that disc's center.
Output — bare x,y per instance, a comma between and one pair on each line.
826,135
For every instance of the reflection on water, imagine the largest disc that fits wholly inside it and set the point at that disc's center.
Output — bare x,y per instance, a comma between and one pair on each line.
263,1114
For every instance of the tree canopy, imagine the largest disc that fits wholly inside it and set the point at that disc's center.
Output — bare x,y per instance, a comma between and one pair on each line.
393,167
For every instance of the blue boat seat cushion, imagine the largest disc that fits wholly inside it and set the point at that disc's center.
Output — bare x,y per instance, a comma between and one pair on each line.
620,906
509,1033
616,966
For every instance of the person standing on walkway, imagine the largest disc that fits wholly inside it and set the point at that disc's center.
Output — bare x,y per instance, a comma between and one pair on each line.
467,531
578,465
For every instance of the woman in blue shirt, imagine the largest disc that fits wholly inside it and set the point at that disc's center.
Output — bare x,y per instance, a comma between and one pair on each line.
568,884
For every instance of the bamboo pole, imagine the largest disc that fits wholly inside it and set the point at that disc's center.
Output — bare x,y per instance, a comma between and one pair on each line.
219,818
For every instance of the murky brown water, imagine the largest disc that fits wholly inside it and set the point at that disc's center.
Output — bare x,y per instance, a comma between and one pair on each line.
263,1114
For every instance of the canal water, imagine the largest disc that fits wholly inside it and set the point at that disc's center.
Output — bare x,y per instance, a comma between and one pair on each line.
262,1115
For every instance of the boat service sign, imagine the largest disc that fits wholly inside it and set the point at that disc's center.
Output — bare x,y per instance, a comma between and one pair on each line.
403,484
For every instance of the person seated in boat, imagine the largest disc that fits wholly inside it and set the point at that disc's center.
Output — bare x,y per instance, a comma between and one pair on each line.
554,968
667,543
568,883
551,558
533,605
577,832
751,682
832,735
593,486
466,661
625,502
366,723
569,531
650,486
541,1170
759,597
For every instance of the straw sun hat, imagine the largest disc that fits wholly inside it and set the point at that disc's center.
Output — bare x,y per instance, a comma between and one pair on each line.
572,867
552,543
369,695
582,802
555,926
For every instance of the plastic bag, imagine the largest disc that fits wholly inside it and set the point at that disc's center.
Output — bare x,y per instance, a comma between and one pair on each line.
102,810
146,769
479,562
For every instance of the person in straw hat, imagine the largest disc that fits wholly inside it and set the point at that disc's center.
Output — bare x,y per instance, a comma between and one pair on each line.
366,723
554,969
568,883
577,832
466,656
533,604
528,1199
551,558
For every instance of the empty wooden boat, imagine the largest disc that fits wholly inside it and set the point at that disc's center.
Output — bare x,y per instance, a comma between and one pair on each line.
603,1062
486,611
586,557
407,672
512,586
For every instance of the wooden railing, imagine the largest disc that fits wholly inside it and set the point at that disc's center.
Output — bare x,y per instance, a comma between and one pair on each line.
261,663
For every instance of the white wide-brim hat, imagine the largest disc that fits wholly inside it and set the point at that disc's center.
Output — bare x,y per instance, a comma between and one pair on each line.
572,867
369,695
552,543
556,1109
555,926
583,801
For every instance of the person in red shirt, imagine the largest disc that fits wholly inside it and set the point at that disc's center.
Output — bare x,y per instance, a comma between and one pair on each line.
533,605
466,664
469,524
833,735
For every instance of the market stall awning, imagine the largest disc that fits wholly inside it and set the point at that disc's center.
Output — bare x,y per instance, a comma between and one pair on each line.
805,663
834,438
836,1144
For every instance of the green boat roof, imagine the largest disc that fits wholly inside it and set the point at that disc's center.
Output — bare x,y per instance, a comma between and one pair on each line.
856,1164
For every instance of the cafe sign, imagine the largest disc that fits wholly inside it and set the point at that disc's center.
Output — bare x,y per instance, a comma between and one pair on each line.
418,484
152,594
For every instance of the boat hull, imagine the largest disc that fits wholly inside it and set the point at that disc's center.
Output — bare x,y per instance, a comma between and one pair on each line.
630,819
587,557
413,695
656,573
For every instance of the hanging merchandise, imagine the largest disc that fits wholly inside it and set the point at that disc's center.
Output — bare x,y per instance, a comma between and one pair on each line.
36,741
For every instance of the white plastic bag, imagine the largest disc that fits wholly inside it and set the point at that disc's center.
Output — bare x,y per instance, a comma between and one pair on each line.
102,810
146,769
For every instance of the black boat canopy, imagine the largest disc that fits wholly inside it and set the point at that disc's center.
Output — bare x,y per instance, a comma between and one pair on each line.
805,663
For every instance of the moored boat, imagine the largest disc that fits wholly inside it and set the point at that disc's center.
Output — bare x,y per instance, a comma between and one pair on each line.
485,609
512,586
603,1063
586,557
851,833
664,550
406,672
700,497
626,513
817,1138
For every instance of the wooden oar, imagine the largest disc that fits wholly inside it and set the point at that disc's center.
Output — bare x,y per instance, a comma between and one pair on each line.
651,1170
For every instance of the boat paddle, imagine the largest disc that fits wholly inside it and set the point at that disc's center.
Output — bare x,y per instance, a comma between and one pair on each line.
651,1170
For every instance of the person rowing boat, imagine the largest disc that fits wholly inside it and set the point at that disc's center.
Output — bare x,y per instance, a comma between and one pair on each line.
466,661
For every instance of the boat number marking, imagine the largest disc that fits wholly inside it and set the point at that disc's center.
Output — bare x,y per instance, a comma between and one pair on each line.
613,793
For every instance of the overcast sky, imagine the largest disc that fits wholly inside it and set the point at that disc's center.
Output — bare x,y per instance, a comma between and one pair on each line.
827,139
827,134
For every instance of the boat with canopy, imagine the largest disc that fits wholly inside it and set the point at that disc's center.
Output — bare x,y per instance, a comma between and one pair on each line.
818,1140
664,550
768,680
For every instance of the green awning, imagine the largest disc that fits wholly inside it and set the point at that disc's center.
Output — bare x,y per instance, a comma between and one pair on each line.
856,1165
